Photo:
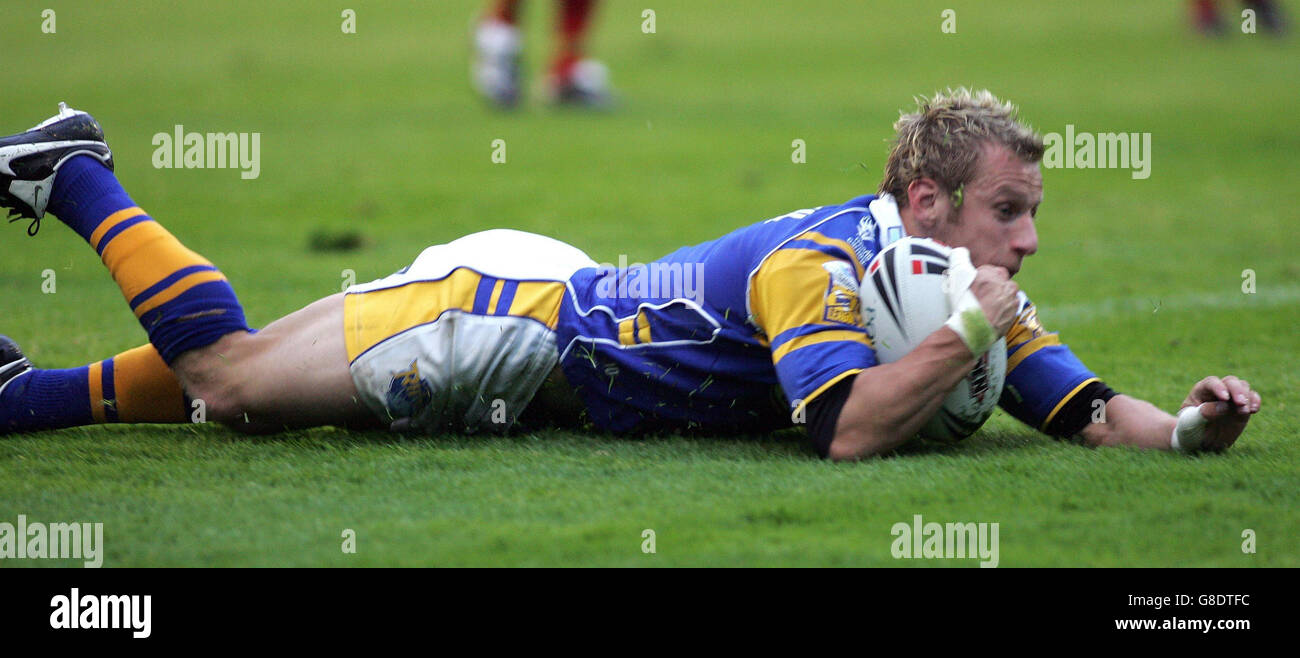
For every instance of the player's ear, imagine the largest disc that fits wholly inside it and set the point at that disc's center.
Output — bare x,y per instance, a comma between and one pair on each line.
928,201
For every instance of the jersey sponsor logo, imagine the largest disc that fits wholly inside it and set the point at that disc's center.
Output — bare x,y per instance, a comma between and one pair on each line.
866,236
843,303
408,393
867,228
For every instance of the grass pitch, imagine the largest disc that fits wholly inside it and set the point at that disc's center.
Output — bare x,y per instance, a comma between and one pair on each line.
378,133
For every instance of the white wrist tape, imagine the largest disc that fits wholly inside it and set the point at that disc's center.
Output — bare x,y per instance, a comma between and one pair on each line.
967,318
1189,431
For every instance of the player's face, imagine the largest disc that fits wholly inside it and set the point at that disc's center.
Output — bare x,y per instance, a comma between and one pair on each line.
996,218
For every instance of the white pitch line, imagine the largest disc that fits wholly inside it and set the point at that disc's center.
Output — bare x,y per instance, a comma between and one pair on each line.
1264,297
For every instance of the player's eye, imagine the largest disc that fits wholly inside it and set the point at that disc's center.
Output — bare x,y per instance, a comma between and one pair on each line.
1007,211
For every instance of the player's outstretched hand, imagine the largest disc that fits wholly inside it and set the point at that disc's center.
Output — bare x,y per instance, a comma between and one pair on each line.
1227,404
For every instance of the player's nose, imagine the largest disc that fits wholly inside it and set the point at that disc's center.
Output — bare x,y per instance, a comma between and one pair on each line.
1025,240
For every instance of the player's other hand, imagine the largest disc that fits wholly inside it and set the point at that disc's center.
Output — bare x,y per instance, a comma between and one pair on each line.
996,293
1227,404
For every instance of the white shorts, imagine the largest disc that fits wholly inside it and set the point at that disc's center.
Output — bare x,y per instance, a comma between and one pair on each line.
462,339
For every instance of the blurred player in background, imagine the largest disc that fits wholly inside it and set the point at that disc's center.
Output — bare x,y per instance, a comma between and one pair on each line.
573,78
1206,18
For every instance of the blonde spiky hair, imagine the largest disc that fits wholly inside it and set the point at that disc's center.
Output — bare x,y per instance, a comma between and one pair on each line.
943,137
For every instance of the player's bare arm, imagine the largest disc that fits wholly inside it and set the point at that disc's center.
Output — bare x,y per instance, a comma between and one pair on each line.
1225,405
891,401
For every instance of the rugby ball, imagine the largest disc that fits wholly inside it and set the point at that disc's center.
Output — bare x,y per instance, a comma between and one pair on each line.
903,302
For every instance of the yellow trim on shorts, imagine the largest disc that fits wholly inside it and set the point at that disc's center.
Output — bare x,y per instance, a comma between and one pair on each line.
370,318
539,300
495,296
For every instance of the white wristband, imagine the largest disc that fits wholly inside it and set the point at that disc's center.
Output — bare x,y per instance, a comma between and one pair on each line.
1189,430
967,319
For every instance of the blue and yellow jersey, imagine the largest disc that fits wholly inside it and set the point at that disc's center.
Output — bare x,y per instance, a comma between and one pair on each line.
727,335
735,334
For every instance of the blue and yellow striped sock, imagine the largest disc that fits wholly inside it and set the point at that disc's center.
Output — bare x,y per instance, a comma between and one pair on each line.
132,387
181,299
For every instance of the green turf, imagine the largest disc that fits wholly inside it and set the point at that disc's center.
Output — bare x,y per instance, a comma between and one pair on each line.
378,132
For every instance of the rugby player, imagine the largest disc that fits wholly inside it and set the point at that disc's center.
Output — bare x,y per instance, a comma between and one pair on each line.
574,79
503,327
